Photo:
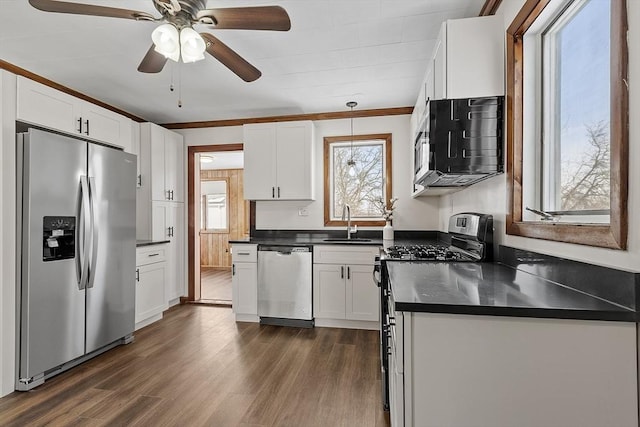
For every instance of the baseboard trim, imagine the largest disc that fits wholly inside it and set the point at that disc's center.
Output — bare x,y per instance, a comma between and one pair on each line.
347,324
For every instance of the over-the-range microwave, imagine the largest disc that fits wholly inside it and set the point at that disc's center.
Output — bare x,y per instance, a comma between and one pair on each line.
459,142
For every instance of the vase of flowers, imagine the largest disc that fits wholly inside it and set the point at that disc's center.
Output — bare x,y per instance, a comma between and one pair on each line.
387,214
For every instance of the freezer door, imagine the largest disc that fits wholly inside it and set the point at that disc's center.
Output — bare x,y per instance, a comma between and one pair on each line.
52,303
111,286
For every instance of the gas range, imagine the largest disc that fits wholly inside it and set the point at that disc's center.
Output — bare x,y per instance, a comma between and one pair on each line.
471,241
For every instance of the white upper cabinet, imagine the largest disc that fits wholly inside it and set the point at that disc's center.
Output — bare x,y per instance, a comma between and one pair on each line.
135,149
174,164
439,66
104,125
278,161
469,58
166,152
44,106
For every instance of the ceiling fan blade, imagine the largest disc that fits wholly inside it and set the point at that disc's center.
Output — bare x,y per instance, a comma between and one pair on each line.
247,18
89,9
153,62
230,59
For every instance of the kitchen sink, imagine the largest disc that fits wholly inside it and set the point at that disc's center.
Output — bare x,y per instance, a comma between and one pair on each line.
344,239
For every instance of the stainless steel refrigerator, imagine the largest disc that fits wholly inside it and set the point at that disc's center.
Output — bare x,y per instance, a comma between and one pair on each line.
77,252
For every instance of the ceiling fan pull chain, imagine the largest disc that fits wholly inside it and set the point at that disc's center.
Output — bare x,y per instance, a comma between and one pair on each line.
179,85
171,87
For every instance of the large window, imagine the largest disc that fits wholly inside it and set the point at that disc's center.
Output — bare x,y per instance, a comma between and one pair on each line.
567,109
576,78
358,174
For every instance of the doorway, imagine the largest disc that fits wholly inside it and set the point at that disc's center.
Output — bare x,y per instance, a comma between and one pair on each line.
218,214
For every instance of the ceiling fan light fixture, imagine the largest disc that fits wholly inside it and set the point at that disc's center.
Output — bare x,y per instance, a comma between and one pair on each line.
166,41
192,45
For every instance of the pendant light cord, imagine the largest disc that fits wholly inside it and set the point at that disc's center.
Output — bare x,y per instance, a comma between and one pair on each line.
351,104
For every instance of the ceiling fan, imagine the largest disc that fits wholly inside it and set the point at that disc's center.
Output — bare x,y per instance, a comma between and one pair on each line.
177,39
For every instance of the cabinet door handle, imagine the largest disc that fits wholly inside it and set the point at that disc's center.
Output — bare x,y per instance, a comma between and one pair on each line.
168,194
273,192
139,180
278,192
348,272
244,253
171,231
87,130
137,275
233,270
171,191
150,255
80,125
342,271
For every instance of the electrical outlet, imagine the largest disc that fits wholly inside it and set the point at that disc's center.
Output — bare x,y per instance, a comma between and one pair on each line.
303,212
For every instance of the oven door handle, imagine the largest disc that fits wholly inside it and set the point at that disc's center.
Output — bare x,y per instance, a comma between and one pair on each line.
377,277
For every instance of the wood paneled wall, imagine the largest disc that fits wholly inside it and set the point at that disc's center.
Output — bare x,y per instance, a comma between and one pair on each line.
214,247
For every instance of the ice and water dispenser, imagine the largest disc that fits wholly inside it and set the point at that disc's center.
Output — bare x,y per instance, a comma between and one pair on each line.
58,238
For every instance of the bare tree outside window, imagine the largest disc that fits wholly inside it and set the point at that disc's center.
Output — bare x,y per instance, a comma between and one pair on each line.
361,184
363,187
585,182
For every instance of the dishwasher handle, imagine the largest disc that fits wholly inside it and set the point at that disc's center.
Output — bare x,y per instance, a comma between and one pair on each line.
284,250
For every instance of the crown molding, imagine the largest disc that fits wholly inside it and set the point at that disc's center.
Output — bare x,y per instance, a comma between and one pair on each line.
490,7
292,118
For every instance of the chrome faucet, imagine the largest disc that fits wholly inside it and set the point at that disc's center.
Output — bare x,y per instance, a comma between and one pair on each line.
347,209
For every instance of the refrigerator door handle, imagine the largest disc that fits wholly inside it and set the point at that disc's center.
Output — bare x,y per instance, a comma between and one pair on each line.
82,264
94,233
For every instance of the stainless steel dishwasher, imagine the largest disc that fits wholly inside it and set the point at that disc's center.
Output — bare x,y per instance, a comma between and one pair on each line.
285,285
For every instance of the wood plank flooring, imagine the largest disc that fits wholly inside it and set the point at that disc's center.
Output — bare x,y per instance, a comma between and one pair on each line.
215,284
198,367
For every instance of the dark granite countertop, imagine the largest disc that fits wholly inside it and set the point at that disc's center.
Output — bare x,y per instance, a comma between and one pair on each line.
492,289
140,243
307,240
313,237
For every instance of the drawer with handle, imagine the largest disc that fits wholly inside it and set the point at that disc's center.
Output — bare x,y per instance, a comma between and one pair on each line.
150,255
244,253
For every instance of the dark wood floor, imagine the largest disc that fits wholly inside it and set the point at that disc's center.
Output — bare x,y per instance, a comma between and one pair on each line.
215,284
197,367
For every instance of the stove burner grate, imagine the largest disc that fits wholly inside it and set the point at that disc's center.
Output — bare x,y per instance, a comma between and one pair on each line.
426,253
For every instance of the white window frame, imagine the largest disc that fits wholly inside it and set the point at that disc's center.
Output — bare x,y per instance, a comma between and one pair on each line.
539,113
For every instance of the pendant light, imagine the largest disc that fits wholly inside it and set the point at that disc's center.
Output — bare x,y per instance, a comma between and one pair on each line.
351,163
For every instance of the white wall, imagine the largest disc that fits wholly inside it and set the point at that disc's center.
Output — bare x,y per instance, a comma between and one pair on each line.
7,232
411,214
490,196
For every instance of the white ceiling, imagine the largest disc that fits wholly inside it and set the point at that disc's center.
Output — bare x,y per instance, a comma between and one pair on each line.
224,160
372,51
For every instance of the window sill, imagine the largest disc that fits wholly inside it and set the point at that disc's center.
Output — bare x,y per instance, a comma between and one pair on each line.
603,236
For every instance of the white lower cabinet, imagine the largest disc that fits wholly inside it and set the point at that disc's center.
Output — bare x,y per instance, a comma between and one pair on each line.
167,223
344,293
457,370
151,272
244,282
